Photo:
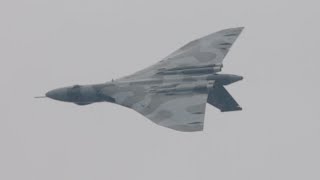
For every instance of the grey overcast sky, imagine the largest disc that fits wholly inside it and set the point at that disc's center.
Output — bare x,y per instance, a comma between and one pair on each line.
45,44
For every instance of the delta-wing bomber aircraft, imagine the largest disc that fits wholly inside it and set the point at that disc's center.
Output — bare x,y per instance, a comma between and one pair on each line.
173,92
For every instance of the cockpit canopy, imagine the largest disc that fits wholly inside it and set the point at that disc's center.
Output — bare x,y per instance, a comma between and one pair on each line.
76,86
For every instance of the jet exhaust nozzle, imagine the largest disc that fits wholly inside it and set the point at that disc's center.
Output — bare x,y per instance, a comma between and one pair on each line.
225,79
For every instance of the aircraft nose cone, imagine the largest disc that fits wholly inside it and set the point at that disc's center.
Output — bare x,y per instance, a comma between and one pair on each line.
57,94
52,94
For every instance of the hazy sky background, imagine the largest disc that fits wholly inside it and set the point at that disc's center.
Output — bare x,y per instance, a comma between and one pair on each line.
49,44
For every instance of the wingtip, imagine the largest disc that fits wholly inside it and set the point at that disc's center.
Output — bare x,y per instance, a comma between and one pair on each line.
238,28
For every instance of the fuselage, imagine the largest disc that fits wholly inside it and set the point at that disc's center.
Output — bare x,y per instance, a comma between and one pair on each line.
114,91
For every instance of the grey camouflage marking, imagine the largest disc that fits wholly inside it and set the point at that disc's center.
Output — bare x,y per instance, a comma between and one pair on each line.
174,92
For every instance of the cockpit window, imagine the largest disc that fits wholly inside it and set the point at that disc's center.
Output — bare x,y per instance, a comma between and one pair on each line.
75,86
74,93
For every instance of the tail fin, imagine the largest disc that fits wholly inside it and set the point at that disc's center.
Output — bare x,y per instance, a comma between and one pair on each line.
220,98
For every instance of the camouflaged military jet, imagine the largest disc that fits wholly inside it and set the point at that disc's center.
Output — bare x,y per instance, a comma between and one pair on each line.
173,92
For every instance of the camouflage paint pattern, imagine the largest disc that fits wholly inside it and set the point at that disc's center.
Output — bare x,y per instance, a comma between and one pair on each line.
172,93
